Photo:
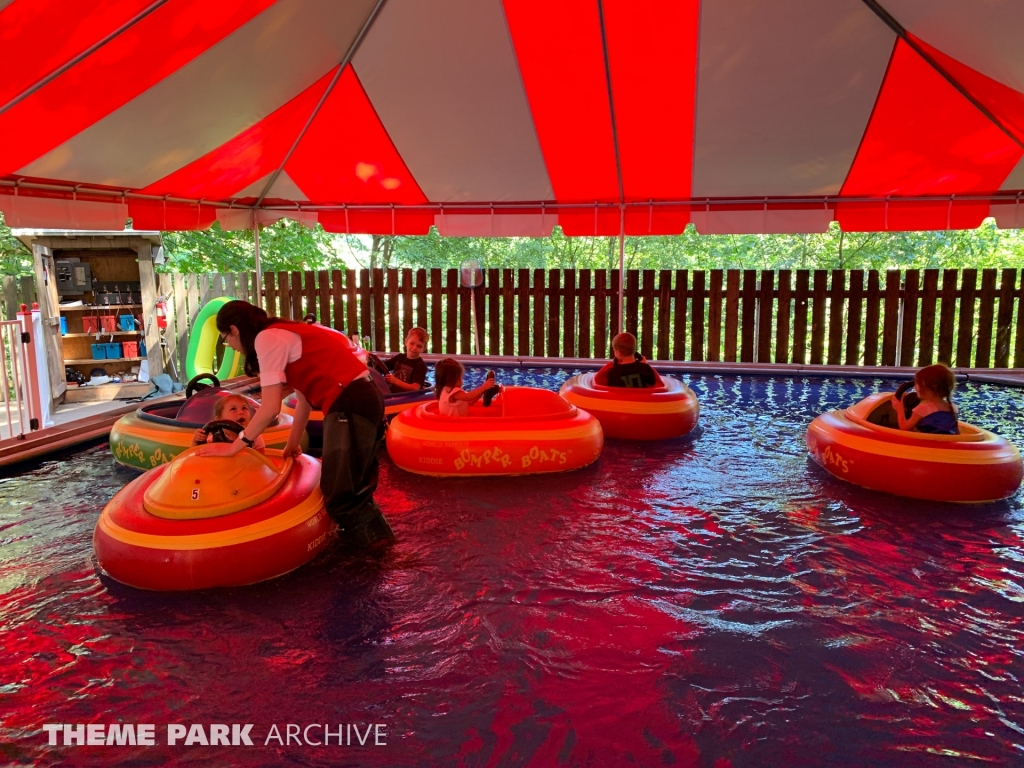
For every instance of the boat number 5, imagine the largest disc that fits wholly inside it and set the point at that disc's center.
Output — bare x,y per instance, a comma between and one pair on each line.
195,494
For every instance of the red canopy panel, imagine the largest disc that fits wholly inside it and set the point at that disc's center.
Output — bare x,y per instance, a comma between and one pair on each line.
507,117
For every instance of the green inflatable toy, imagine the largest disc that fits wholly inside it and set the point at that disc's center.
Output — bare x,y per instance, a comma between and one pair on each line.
202,346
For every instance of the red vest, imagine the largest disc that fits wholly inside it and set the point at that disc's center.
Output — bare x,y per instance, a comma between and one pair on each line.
327,364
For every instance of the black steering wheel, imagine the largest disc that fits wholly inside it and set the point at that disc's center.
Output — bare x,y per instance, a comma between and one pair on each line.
906,397
374,362
219,429
196,383
491,391
309,318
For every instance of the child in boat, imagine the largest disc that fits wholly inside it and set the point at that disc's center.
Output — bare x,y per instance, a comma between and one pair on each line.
407,372
627,369
935,413
452,399
229,408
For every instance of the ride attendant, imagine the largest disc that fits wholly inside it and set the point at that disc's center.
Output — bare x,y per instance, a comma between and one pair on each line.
408,372
321,365
627,369
935,413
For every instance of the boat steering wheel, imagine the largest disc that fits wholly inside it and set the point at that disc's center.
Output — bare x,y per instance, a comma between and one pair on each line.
905,397
374,363
196,383
219,429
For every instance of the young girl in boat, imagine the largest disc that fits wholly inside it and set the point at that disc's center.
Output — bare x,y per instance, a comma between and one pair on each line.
231,408
452,399
935,413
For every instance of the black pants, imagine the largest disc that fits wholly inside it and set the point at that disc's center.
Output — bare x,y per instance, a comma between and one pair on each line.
353,432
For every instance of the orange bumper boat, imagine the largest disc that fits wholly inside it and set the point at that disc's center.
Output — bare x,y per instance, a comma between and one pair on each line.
864,446
201,522
667,410
524,431
394,404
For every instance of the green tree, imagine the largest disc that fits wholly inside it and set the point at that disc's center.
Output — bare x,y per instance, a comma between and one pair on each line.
15,258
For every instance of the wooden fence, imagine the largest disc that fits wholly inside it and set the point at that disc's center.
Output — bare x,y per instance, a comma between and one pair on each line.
840,317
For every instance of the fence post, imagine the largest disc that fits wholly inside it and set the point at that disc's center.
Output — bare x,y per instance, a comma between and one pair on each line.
965,332
30,378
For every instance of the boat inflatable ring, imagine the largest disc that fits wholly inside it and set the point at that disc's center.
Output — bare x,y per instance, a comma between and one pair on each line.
528,431
972,467
665,411
202,345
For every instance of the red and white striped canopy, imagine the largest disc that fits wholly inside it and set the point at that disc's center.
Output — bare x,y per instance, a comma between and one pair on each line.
506,117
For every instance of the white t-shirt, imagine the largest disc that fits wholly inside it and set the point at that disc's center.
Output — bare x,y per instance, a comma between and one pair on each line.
275,348
458,408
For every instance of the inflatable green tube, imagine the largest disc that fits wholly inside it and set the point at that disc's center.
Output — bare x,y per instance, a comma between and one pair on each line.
202,346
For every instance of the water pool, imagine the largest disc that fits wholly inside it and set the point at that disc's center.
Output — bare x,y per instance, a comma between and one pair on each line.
715,601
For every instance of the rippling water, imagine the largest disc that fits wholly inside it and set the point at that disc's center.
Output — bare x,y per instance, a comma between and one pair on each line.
716,601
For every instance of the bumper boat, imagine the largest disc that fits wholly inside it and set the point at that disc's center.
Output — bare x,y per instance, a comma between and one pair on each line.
864,446
201,522
157,432
669,409
394,404
524,431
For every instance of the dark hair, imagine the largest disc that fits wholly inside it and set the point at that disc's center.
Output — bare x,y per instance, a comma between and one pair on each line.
938,379
446,373
249,320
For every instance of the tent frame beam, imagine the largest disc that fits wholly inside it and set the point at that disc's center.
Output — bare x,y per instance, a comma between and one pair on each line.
346,59
618,162
84,54
728,203
901,32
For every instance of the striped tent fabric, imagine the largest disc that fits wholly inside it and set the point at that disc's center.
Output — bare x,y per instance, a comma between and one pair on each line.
507,117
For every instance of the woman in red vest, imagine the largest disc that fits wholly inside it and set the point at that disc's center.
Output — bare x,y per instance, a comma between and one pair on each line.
321,365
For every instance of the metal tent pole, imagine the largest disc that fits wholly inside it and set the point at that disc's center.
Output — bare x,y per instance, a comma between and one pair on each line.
256,255
622,265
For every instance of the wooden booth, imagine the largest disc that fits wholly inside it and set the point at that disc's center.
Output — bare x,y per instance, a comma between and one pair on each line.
97,298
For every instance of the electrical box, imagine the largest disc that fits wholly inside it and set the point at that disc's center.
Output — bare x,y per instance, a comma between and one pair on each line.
73,277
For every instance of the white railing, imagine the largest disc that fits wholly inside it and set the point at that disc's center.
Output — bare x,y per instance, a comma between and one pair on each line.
19,412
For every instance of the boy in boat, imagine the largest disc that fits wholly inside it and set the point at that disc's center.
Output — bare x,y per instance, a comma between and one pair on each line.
452,399
627,369
407,372
935,413
229,408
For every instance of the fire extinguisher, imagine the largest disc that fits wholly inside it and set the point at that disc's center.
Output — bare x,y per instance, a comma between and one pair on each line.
161,313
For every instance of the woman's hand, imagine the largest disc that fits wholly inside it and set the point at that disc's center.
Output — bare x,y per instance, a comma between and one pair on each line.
292,449
221,449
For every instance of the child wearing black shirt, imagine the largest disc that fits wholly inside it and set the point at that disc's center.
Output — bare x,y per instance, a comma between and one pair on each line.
626,370
408,371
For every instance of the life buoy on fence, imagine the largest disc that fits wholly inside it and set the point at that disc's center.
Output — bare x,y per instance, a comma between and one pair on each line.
202,346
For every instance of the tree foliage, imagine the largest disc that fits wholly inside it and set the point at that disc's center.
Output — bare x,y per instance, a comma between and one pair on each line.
15,258
288,245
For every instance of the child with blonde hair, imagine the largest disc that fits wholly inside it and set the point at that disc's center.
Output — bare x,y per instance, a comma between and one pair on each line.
229,408
407,372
